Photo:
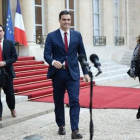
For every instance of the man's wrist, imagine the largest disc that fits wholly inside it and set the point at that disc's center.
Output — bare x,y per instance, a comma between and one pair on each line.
4,63
53,62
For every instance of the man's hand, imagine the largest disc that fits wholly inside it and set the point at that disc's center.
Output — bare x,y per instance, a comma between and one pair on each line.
87,78
2,63
57,64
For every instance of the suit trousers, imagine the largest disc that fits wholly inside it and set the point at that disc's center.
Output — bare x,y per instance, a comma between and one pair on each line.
10,97
63,81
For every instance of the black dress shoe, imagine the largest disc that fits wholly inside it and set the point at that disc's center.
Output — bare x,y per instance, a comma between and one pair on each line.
62,130
138,114
76,135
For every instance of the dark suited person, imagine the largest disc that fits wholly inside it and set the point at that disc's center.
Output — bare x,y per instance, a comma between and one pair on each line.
135,58
61,49
8,57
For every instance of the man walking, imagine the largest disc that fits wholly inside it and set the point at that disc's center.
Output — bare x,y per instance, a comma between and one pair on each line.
60,53
8,56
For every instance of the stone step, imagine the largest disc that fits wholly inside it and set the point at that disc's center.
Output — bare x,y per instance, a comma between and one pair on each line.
104,64
110,78
111,71
25,111
114,72
18,98
126,59
125,62
111,68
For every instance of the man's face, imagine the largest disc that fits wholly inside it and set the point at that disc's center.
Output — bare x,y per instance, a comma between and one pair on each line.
65,22
1,33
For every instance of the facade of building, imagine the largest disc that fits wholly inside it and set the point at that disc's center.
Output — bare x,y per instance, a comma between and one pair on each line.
109,27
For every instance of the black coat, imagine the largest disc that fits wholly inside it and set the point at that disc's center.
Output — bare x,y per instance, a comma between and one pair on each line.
9,56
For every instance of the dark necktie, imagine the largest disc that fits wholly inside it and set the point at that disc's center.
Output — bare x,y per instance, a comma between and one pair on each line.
66,46
0,52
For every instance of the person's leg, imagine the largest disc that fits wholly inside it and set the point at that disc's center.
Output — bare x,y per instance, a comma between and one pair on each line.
9,91
1,108
58,96
138,113
73,93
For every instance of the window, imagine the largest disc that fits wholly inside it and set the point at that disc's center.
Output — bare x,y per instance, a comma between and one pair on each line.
116,17
96,17
70,6
38,17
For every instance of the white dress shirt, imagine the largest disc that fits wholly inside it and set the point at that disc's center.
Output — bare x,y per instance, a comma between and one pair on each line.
68,37
2,44
2,49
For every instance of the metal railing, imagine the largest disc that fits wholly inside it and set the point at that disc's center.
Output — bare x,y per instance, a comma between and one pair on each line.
119,40
99,40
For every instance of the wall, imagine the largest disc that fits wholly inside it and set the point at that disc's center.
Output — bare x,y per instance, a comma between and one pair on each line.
129,25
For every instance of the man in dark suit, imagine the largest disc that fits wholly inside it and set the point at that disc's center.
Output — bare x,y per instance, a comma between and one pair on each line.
8,56
60,53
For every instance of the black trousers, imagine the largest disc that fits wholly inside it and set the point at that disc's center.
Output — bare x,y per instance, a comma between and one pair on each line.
10,97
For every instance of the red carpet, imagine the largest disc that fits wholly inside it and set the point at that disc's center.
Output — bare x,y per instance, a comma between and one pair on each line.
106,97
23,58
31,78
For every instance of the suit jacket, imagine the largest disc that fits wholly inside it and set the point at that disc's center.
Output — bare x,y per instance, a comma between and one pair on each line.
9,56
55,50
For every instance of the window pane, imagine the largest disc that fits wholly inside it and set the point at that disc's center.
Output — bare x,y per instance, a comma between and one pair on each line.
38,15
96,32
93,20
38,30
93,6
116,23
38,2
96,6
96,21
116,9
72,28
71,4
66,4
116,33
72,17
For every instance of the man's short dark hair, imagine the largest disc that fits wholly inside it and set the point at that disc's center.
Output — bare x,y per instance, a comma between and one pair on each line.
2,27
65,12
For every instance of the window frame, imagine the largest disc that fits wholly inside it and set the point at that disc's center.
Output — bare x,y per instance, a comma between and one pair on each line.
94,14
42,25
116,17
74,10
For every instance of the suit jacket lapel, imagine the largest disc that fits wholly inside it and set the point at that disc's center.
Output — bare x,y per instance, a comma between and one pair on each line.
59,37
71,39
4,44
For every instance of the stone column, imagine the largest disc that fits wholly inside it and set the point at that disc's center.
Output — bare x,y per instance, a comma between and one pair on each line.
133,21
107,21
27,10
84,20
51,12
